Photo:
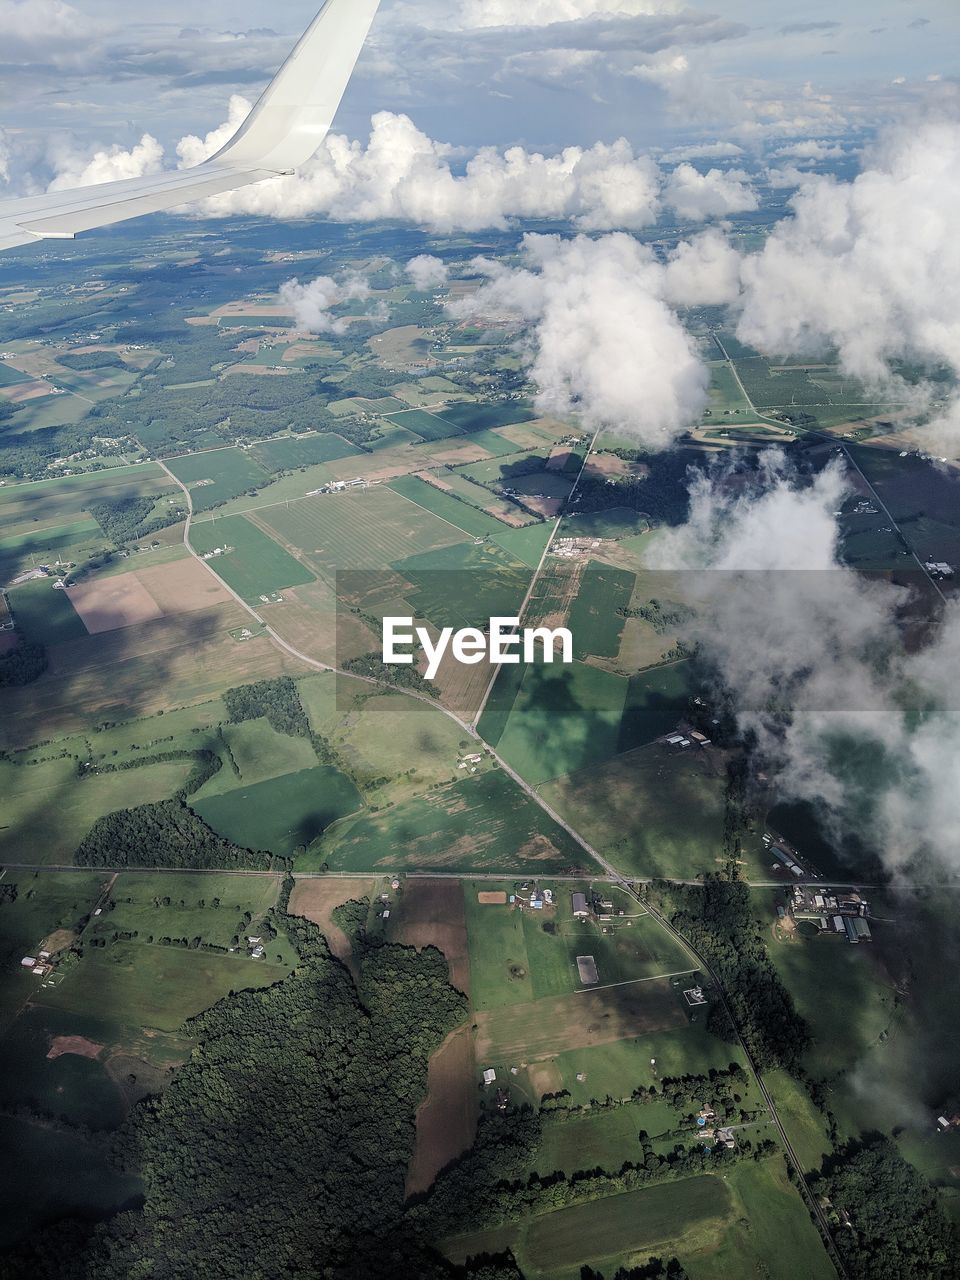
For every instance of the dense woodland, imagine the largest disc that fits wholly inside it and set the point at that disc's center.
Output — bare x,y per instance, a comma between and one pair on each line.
278,701
126,520
888,1221
22,665
166,834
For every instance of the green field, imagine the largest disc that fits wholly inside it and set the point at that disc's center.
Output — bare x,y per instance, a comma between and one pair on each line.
69,497
594,620
232,471
289,452
651,811
159,986
283,813
426,425
563,719
43,614
365,530
655,701
259,753
48,808
55,1175
254,565
671,1216
9,377
464,585
527,544
486,417
484,823
459,514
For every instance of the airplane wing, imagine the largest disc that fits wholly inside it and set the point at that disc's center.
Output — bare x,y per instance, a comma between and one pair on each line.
283,131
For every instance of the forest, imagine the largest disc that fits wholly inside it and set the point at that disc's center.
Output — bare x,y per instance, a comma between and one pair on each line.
716,917
165,834
126,520
22,665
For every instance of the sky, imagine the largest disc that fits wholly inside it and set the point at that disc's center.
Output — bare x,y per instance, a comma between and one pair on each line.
487,72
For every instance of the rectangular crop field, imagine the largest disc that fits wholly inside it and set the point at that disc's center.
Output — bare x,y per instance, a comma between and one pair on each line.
289,452
457,513
365,530
482,823
229,471
253,564
426,425
70,497
594,619
43,614
486,417
652,812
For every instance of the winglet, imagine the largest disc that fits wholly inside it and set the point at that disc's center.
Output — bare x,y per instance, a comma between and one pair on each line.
296,111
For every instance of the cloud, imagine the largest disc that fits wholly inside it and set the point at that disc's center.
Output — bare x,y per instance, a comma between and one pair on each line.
603,342
703,151
811,149
312,303
193,150
704,271
806,28
810,651
44,31
403,174
869,268
541,13
109,165
706,195
427,272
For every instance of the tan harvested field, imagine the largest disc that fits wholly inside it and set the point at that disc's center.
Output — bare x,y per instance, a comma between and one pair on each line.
107,604
546,507
559,458
403,347
21,392
447,1118
608,465
183,586
553,1025
77,1045
461,688
492,897
429,913
138,671
316,900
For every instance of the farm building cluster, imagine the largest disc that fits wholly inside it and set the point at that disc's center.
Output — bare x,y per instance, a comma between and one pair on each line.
840,913
785,856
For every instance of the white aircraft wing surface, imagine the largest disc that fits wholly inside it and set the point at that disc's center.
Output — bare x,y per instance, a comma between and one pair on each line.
283,131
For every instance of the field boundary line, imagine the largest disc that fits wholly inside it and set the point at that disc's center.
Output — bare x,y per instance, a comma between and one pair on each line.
632,982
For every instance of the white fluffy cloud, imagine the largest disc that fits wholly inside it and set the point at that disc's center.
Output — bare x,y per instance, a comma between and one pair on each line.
704,271
193,150
869,267
604,342
109,165
811,149
402,173
810,651
427,272
541,13
712,194
312,303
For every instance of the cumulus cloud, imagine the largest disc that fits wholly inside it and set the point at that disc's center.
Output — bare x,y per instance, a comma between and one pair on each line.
312,304
603,342
193,150
402,173
111,164
870,268
713,194
427,272
704,271
811,653
703,151
811,149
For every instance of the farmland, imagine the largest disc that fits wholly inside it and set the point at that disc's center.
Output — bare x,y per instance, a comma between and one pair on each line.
595,617
287,452
426,425
214,477
44,615
457,513
252,563
483,823
284,813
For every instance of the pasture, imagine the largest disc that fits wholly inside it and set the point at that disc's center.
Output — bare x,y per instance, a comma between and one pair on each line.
253,564
483,823
282,813
216,476
426,425
49,808
363,530
624,1228
652,811
487,417
527,544
257,753
563,719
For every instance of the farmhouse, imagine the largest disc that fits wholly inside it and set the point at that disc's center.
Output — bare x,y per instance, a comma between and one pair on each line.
580,908
489,1076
